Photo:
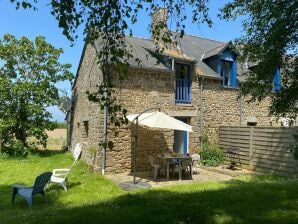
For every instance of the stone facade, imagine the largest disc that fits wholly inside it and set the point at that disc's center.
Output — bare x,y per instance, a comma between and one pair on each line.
143,89
222,107
86,116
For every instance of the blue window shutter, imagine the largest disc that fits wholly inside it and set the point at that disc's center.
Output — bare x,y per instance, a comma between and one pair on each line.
233,81
218,67
276,81
185,142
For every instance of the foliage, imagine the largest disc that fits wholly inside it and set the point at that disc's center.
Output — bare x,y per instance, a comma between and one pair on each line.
28,74
61,125
270,40
212,155
92,198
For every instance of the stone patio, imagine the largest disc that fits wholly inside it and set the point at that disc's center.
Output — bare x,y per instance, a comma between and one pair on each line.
204,174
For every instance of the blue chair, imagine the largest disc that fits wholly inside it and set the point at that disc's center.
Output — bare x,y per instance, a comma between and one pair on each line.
27,192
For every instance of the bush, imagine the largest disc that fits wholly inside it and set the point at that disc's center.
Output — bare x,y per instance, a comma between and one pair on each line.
212,155
61,125
16,148
4,155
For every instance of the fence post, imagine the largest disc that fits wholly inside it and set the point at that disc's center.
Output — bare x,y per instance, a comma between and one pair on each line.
251,148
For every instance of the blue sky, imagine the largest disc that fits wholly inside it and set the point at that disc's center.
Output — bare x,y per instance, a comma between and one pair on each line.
32,23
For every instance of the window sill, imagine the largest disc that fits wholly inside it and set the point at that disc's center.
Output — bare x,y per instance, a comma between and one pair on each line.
184,104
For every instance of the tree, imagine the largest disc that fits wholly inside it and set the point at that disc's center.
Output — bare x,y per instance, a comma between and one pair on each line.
110,21
28,74
270,40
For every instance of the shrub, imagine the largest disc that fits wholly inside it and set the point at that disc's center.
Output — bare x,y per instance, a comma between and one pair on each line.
4,155
18,149
61,125
212,155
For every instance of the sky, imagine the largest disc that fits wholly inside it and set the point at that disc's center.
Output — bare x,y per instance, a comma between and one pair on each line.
33,23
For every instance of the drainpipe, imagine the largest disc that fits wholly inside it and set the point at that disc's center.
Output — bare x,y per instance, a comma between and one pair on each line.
103,151
174,81
201,112
240,102
103,167
173,64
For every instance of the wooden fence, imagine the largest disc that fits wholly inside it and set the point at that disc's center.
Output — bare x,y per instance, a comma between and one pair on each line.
264,149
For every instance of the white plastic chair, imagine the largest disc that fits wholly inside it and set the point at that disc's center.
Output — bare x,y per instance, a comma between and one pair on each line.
195,161
154,166
60,175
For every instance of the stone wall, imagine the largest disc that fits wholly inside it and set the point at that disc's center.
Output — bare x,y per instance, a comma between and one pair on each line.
86,124
147,88
142,90
222,108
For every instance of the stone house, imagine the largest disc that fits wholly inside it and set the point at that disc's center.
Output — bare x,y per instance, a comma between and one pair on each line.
196,82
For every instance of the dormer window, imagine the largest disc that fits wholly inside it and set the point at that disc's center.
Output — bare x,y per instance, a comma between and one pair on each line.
225,65
226,72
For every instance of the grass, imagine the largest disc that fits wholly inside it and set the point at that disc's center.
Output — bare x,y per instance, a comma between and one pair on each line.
56,143
93,199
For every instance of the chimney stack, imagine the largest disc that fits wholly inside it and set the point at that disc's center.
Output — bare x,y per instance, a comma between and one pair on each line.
159,28
161,35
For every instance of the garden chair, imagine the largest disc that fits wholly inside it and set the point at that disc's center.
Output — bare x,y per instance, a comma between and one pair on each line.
154,166
195,161
186,167
60,175
27,192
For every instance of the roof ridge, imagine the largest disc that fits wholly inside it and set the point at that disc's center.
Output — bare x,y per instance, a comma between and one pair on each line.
186,34
193,35
220,45
143,38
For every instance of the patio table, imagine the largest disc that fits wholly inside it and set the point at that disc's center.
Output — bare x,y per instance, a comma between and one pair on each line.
179,158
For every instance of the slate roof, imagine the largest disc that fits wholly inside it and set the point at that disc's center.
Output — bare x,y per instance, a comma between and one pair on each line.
197,47
142,49
194,48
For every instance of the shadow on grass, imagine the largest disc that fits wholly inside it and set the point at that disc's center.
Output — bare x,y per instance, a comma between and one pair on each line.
255,201
20,204
47,153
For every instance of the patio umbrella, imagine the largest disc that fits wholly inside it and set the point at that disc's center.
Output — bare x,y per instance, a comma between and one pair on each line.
159,120
155,120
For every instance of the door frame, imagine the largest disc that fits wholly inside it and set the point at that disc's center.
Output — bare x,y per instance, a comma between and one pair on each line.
185,135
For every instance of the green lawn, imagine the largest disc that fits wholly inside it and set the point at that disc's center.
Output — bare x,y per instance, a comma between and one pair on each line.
94,199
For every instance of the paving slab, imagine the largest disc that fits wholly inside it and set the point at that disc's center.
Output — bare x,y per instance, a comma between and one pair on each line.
204,174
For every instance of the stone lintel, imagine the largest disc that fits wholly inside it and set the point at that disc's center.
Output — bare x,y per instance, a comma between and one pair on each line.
183,113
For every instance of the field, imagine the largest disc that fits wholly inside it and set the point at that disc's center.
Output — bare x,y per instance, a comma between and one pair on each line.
57,139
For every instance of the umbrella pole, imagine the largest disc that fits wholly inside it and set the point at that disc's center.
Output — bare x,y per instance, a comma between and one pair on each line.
136,139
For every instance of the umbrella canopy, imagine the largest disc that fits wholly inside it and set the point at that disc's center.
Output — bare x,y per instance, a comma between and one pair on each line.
160,120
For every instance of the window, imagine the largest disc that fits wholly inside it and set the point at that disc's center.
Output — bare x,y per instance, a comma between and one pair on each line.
277,81
226,72
227,69
85,129
183,84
